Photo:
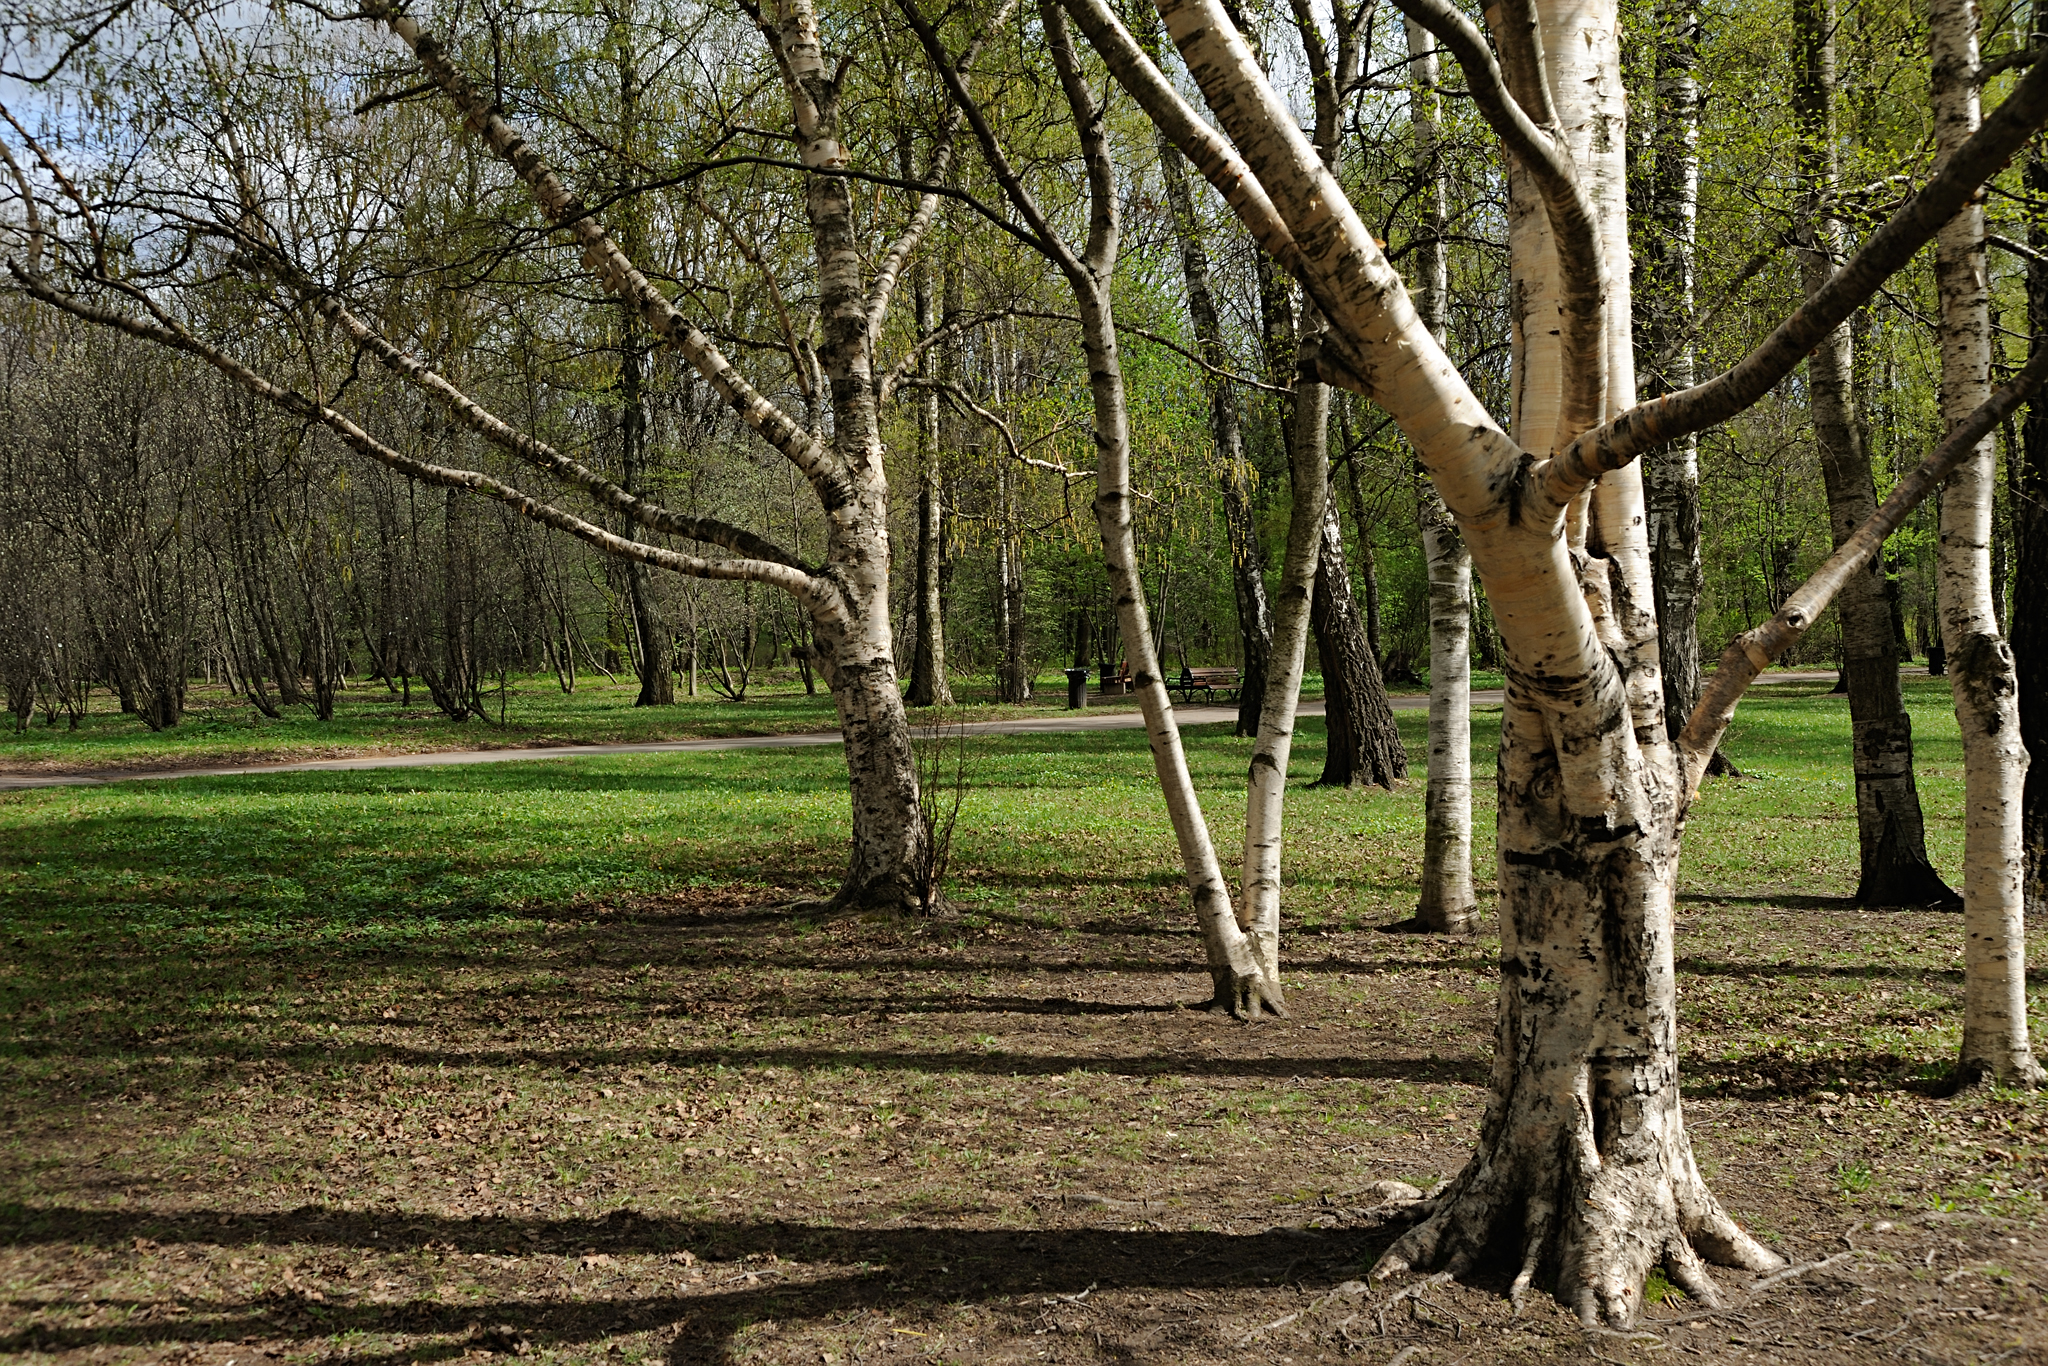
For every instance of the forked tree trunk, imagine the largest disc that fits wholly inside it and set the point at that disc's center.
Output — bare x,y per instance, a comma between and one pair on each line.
1583,1160
1995,1043
1447,904
1890,833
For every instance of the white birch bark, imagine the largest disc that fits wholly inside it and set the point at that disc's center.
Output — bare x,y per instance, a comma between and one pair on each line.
1240,984
1995,1043
1266,782
1447,904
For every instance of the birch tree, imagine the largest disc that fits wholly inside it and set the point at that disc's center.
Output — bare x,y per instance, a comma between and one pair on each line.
1447,904
1583,1160
1981,673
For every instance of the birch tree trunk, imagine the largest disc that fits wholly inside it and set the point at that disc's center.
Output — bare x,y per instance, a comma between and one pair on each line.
928,683
1890,832
1983,683
1447,904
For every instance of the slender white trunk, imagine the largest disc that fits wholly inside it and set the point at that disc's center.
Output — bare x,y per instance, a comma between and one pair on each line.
1447,904
1982,679
1266,787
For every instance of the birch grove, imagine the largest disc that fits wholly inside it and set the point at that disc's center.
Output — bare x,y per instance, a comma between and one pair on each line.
978,155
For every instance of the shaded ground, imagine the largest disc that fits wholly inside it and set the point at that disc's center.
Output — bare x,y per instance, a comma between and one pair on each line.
686,1130
339,1067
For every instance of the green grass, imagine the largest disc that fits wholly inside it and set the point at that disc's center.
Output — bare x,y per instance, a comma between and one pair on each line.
462,1014
449,860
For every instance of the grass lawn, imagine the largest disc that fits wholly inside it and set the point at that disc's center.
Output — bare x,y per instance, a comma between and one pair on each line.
444,1063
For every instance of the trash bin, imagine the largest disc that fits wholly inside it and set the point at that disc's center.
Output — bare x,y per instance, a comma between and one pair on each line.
1077,689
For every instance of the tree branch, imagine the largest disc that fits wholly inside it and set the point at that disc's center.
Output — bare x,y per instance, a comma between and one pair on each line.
1663,420
618,274
539,453
1752,651
174,337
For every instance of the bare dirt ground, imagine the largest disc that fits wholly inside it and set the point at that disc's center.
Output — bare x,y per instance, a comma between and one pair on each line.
691,1130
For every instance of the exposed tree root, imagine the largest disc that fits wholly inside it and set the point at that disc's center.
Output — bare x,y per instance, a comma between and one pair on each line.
1601,1219
1247,997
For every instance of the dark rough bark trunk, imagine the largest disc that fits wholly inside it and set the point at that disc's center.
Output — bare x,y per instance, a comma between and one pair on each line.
2030,576
1247,558
1364,744
1891,834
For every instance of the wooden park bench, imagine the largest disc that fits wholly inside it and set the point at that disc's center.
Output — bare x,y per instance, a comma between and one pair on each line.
1210,683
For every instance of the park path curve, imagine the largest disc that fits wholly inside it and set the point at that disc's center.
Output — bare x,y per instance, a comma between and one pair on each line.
1030,725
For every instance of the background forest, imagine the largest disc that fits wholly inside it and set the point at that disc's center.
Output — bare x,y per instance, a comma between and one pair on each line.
157,524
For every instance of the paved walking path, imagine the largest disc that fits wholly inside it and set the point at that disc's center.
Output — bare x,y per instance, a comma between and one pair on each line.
1032,725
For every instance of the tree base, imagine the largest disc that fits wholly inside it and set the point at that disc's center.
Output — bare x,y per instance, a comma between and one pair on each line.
1598,1196
1900,881
1244,998
1975,1075
1463,924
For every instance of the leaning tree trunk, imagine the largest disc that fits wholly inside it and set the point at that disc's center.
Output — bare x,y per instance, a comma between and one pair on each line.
1364,743
1239,982
1995,1043
1447,904
2030,569
1255,623
1890,833
1266,783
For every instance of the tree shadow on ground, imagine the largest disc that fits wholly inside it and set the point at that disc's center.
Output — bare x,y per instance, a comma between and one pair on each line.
832,1273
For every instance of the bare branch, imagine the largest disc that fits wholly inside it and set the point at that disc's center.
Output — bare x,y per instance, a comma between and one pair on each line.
1706,317
539,453
1992,239
794,581
1017,452
618,274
